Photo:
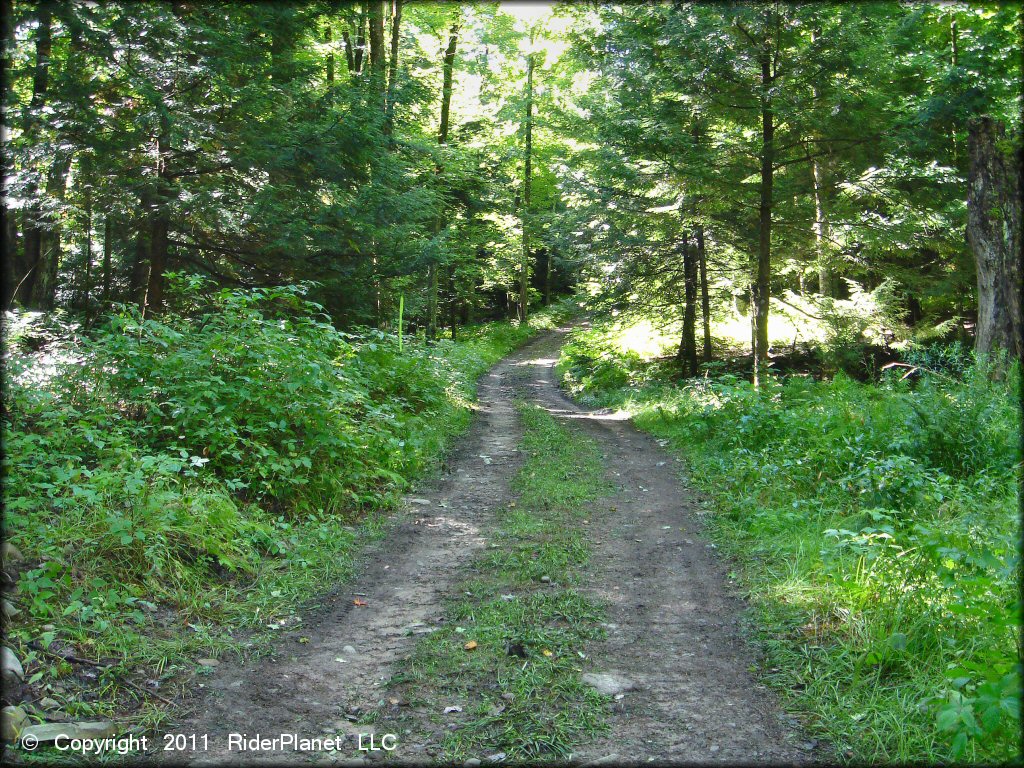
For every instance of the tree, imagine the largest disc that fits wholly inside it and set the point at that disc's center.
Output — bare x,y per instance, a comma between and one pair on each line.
994,235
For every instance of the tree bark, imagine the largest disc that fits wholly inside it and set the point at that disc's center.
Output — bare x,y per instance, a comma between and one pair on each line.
705,303
329,40
349,55
994,236
762,284
524,266
376,14
108,246
396,31
44,288
33,213
687,354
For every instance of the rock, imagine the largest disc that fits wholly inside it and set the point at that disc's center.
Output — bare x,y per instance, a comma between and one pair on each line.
609,685
471,762
13,672
208,662
10,553
713,748
8,610
421,502
545,579
612,759
497,757
12,720
49,731
348,649
49,627
48,703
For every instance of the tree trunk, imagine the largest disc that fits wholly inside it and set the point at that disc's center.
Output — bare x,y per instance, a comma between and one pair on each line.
396,29
762,285
87,288
160,221
108,246
994,235
44,288
376,14
705,303
349,55
448,73
360,41
524,267
329,41
432,301
10,248
33,214
687,354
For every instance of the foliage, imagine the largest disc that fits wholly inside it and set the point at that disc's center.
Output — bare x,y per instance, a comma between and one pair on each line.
878,529
216,467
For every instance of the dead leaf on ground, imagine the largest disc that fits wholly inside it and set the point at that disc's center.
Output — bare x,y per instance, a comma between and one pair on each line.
470,645
359,602
546,652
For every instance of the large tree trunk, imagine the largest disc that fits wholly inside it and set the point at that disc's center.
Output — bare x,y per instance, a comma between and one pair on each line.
994,235
705,303
524,266
762,284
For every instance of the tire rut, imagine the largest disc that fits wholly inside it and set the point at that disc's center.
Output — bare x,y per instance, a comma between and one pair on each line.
303,688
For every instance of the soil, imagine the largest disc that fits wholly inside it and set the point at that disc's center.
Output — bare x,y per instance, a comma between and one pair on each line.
674,623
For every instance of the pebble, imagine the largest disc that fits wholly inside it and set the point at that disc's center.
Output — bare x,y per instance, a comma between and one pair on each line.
49,627
545,579
471,762
13,672
348,649
208,662
421,502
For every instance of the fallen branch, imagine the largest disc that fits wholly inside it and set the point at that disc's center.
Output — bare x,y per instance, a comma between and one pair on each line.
912,369
71,658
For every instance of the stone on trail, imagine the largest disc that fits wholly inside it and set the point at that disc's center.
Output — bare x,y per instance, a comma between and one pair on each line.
50,731
608,685
421,502
13,673
208,662
348,649
12,720
612,759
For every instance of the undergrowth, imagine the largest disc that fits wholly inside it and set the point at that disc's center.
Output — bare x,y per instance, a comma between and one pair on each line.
172,479
511,651
878,529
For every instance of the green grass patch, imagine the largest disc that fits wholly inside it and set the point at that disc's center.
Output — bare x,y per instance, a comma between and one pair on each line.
173,480
520,688
877,529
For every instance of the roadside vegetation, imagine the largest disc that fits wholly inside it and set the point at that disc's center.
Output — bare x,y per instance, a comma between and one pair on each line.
171,480
513,646
876,528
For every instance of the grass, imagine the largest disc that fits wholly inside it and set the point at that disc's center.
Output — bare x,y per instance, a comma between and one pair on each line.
147,559
876,530
520,688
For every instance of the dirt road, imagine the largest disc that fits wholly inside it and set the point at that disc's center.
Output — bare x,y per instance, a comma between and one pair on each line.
673,630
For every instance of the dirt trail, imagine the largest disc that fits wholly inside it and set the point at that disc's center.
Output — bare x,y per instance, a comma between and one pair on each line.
673,625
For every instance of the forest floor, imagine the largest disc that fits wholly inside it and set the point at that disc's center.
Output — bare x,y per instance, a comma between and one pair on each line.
666,649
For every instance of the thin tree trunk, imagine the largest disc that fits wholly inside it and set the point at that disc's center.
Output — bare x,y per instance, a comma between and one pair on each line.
687,354
994,235
762,285
44,288
33,214
705,303
160,222
349,56
108,246
329,41
432,301
87,288
396,22
524,267
360,41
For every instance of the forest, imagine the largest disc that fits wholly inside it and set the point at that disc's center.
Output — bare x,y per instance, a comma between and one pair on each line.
311,303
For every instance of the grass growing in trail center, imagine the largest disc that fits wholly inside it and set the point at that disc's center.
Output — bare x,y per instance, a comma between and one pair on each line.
519,687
